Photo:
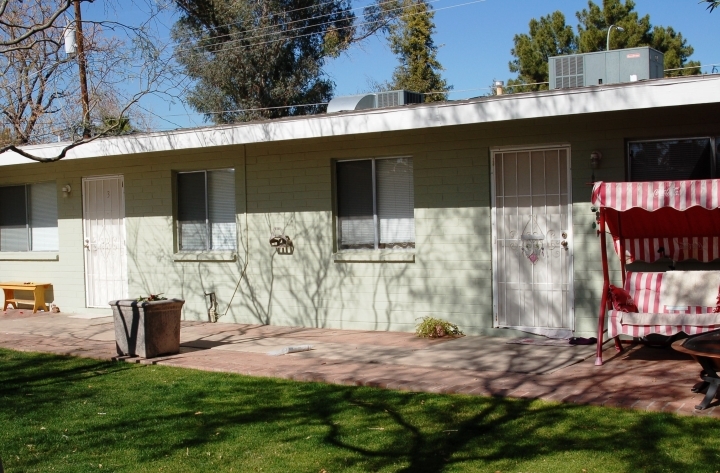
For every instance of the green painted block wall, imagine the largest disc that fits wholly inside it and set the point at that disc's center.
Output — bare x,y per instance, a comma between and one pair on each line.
290,186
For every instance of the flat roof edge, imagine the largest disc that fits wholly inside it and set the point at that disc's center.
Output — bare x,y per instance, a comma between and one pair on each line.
659,93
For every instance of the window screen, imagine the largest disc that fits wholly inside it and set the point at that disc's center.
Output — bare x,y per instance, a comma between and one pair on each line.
395,202
671,159
44,216
29,217
206,210
221,209
376,203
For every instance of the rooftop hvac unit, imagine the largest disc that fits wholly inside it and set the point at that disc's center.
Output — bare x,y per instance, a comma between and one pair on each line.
392,98
397,97
606,67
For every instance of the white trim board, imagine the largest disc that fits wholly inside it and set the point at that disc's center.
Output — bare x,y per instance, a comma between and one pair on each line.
693,90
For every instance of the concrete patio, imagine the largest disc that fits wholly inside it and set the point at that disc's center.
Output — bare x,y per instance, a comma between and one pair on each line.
643,378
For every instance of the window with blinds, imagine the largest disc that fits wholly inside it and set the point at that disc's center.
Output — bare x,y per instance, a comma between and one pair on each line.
376,204
678,159
206,210
29,217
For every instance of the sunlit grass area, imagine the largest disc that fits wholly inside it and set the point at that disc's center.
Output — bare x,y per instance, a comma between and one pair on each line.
75,415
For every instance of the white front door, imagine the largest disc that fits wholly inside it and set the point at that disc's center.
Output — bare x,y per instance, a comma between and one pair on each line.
104,239
532,241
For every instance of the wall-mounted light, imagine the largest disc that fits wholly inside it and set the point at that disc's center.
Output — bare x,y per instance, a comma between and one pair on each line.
595,158
66,190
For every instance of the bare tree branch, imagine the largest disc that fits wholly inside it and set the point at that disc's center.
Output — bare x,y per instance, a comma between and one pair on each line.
29,30
39,88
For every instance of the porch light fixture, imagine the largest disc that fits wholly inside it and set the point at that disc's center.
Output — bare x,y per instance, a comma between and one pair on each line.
66,190
595,158
619,28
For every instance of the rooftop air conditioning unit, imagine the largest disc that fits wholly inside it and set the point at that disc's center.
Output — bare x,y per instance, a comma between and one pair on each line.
391,98
606,67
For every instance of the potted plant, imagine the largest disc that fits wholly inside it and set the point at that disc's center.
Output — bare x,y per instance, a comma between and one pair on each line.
147,326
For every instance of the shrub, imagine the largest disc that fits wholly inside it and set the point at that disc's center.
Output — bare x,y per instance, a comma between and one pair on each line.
430,327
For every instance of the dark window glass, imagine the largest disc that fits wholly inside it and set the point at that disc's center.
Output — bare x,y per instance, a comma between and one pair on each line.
355,204
671,160
206,210
14,235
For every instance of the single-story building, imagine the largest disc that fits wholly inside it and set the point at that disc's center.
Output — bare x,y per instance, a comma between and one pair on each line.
475,211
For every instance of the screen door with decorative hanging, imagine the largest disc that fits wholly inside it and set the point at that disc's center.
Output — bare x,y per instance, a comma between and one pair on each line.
104,240
532,241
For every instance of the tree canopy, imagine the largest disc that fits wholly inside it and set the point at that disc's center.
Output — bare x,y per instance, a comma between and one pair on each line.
712,4
411,40
264,59
551,36
41,99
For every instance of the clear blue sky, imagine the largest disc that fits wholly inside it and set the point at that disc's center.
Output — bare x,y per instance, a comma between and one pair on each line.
475,40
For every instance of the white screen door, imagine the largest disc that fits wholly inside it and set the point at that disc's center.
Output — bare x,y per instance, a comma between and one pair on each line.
532,241
104,239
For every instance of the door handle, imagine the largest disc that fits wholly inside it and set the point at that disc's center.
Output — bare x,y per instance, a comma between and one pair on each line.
87,243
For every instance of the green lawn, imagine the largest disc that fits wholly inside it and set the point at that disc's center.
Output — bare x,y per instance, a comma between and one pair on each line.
76,415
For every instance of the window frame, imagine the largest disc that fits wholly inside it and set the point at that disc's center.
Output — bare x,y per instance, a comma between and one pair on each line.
28,218
376,220
208,224
714,159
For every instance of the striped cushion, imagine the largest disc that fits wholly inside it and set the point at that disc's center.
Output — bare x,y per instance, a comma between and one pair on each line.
616,327
644,288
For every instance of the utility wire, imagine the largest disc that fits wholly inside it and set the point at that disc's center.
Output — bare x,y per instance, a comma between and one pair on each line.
246,46
251,30
286,12
194,46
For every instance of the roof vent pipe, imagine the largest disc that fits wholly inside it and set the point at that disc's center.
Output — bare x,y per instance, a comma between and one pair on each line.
498,84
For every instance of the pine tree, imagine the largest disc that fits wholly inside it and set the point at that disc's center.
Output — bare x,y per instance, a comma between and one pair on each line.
594,22
411,40
550,36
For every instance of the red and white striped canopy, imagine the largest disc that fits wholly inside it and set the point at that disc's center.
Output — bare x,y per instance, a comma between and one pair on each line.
652,196
674,219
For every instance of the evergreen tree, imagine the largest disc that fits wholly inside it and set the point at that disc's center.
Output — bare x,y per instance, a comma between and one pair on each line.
712,4
550,36
411,40
249,55
594,22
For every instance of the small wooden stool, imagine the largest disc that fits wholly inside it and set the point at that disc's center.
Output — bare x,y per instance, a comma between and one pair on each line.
38,290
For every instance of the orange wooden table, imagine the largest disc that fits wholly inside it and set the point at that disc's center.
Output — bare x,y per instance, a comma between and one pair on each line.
37,289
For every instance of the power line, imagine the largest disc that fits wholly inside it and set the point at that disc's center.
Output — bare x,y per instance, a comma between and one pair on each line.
246,46
691,67
293,29
258,109
285,12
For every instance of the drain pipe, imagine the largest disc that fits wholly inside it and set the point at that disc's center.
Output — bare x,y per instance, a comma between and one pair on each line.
212,310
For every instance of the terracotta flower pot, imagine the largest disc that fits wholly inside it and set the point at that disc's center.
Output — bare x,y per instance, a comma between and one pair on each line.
147,329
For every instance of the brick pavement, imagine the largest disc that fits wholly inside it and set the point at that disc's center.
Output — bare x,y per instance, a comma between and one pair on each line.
643,378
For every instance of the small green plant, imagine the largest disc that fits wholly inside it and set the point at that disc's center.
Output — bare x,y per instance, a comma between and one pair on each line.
430,327
151,297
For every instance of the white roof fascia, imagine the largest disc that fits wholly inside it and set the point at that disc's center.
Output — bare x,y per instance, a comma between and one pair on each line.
635,96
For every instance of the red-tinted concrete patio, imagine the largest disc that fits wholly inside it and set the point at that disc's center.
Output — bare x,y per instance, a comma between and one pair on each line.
644,378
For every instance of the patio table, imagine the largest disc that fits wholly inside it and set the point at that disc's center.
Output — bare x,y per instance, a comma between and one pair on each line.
705,349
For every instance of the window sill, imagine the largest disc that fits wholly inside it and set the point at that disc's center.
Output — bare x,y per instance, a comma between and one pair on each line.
29,256
205,256
371,256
